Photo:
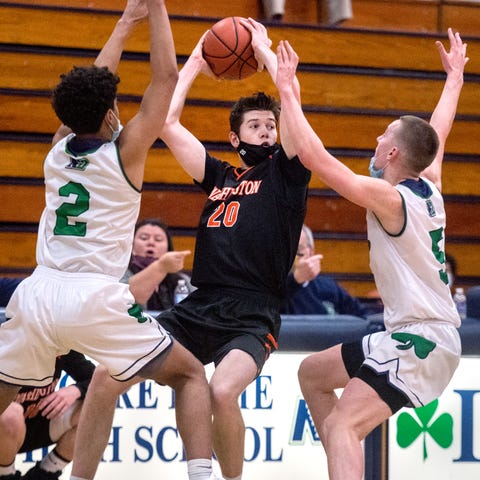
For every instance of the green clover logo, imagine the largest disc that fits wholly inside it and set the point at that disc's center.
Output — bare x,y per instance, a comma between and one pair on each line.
409,429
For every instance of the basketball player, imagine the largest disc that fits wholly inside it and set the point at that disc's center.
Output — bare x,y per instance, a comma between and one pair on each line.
411,363
44,416
74,299
246,243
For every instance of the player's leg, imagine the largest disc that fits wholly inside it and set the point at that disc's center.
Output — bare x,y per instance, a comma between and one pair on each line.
233,374
358,411
12,433
62,431
180,370
95,424
319,375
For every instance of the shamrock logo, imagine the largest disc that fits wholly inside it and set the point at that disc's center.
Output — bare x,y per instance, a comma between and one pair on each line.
421,346
440,430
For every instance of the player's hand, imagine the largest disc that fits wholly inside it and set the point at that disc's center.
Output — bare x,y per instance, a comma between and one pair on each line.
197,56
172,262
260,39
287,62
58,402
307,268
135,11
454,60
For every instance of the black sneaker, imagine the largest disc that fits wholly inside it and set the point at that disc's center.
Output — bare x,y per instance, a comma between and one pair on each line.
37,473
12,476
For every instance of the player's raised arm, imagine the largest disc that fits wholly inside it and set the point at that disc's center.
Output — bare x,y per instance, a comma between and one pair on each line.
453,63
142,130
185,147
110,54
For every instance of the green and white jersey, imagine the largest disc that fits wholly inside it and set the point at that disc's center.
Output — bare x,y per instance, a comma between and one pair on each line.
409,268
91,209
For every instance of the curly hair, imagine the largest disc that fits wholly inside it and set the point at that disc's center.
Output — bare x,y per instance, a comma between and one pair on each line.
257,101
83,97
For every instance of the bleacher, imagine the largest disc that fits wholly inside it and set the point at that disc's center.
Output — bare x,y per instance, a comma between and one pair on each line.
355,80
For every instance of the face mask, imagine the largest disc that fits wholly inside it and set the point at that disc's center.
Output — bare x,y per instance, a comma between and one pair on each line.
142,262
375,172
254,154
116,133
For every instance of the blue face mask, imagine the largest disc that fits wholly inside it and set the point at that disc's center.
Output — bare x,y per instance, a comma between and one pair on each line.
116,133
375,172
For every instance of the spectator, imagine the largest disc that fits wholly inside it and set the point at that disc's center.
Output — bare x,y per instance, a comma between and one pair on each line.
155,267
309,292
7,287
44,416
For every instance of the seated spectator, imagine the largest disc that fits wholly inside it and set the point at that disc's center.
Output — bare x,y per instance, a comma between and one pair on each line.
155,267
42,416
312,293
7,286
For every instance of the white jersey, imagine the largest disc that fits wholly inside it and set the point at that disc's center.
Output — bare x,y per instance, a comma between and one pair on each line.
91,209
409,268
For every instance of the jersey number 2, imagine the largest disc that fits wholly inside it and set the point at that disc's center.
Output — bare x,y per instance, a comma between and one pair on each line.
66,210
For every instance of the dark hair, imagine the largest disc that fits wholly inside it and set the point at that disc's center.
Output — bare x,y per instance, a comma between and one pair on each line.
83,97
257,101
157,223
420,141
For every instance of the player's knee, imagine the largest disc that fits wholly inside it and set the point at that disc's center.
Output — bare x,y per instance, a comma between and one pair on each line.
12,423
307,374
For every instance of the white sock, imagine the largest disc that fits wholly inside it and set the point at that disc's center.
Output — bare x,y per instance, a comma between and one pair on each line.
233,478
199,469
8,469
78,478
53,462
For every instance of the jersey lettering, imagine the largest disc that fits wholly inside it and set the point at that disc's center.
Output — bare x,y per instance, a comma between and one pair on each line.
247,187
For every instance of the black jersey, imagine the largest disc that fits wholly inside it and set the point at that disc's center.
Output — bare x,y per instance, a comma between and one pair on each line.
250,225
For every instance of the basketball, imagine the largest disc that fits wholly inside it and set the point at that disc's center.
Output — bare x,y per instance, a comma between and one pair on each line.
228,51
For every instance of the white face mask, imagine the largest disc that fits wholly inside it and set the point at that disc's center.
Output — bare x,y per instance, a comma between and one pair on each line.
116,133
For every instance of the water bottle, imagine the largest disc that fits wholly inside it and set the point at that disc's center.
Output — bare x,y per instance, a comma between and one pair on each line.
460,302
181,290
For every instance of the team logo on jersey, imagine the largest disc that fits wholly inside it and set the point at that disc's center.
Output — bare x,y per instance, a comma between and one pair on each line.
78,163
421,346
430,208
247,187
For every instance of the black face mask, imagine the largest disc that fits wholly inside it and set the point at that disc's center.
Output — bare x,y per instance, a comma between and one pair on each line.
254,154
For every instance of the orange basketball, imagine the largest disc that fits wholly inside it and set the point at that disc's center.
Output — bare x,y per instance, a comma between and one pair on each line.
228,51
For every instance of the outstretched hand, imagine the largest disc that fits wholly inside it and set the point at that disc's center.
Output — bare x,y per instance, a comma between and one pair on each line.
135,11
287,62
456,58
